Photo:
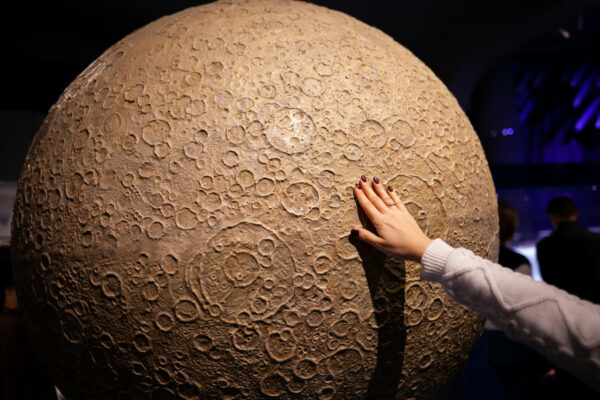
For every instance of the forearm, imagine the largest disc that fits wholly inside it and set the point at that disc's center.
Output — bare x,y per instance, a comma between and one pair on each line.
563,327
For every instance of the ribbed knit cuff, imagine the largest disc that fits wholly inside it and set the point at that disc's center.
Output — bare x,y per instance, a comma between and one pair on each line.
434,260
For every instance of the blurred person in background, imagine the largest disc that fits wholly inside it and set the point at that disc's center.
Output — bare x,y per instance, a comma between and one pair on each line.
518,367
570,259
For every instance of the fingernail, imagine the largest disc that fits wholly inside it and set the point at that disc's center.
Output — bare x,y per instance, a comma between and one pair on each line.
354,232
375,179
358,186
390,189
363,178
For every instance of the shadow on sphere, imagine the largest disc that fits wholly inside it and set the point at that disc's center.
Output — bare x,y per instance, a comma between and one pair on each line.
386,279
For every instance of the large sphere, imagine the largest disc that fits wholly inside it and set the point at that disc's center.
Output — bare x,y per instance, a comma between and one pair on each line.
182,219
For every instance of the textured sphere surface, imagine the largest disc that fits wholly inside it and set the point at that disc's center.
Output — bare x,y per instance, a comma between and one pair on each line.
182,219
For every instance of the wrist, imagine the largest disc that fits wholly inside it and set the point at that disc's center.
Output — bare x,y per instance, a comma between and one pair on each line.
424,243
433,262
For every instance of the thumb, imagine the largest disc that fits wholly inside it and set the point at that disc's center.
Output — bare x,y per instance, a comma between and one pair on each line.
366,236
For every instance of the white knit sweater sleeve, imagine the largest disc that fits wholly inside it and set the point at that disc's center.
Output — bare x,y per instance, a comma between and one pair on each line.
557,324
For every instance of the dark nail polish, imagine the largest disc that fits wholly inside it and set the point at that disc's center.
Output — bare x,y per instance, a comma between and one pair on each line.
375,179
363,178
354,232
358,186
390,189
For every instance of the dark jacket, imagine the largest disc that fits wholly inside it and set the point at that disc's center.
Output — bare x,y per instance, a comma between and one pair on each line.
511,259
570,259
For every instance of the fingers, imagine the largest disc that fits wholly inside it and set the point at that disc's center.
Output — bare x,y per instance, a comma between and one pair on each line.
382,192
366,204
367,237
371,195
394,196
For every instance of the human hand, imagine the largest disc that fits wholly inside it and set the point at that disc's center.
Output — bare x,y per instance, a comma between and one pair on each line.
398,234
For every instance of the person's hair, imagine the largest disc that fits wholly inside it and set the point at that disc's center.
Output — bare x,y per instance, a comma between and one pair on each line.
562,206
509,221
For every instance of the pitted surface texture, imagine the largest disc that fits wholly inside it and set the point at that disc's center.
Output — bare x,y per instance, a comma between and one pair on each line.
182,219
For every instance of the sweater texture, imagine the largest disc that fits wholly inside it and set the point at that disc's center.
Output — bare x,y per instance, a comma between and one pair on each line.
557,324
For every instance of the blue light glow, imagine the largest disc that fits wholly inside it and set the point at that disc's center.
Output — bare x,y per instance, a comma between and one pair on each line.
587,115
558,109
576,79
526,110
583,91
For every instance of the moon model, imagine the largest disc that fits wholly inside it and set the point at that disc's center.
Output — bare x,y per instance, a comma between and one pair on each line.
182,218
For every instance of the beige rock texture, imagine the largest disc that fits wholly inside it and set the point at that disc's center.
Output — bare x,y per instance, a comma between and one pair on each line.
182,219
